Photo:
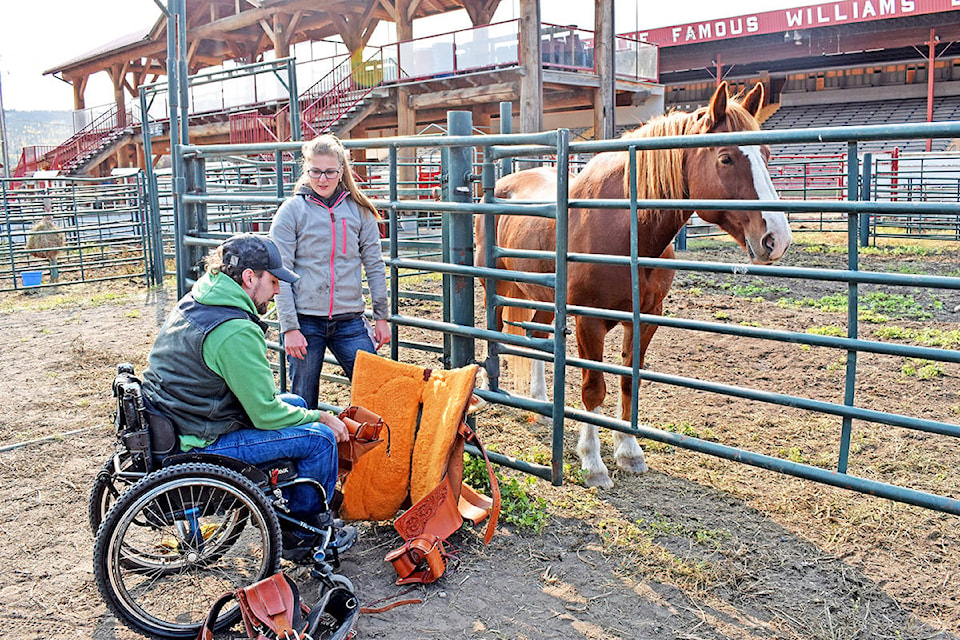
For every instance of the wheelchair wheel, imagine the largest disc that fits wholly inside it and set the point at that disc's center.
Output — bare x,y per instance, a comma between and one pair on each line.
107,487
177,540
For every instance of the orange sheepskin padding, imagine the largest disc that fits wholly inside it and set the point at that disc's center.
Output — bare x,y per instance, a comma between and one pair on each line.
378,485
444,400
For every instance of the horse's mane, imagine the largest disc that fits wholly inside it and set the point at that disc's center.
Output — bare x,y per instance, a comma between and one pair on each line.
660,171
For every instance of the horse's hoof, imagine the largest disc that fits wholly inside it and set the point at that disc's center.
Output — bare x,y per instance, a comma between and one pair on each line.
633,465
601,480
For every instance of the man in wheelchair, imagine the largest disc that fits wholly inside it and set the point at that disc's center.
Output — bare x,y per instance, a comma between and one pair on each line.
208,373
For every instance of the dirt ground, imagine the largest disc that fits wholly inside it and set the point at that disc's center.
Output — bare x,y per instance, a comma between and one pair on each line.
698,548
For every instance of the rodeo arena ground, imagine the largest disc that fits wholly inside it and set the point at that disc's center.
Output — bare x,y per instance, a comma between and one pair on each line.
769,201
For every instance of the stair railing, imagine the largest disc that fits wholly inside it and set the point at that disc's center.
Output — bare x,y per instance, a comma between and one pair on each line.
70,153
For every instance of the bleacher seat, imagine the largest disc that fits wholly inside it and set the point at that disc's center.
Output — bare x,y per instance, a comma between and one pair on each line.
856,113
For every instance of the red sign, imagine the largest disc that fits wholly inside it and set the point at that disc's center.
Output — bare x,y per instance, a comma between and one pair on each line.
821,15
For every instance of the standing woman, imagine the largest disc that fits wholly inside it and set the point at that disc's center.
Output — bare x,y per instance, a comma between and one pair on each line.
325,231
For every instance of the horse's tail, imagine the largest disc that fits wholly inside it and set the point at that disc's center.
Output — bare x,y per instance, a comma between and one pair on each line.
518,366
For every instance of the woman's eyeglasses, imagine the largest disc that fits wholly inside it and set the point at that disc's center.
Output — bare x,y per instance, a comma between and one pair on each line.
329,174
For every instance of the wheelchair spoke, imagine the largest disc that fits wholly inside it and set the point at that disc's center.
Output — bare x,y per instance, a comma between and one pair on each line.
177,543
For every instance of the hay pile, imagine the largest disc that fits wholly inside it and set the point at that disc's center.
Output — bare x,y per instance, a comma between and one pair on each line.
46,240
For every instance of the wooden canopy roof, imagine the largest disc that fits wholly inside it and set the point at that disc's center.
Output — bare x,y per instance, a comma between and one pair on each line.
242,30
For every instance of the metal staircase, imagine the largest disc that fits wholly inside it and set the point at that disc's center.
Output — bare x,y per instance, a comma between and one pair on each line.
97,137
334,104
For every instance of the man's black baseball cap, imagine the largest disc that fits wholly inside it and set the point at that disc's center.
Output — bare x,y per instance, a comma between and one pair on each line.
250,251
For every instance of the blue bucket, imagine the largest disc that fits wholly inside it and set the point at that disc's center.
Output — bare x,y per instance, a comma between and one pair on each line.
31,278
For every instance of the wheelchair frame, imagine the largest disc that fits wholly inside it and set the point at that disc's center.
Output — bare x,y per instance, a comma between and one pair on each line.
174,531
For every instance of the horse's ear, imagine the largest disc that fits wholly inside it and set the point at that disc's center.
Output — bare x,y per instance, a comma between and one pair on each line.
754,100
718,105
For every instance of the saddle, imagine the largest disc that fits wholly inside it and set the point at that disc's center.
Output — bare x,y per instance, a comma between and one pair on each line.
426,410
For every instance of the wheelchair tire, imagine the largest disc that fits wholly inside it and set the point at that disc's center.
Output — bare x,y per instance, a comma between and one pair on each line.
177,540
107,487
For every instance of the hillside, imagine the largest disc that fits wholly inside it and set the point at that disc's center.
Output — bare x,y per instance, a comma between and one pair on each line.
27,128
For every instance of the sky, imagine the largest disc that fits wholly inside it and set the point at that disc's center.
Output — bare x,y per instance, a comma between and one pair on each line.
36,35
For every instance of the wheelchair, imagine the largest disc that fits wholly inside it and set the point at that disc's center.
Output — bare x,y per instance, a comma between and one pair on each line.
174,531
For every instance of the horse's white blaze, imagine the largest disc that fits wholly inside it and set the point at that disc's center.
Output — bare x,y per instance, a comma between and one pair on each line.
777,224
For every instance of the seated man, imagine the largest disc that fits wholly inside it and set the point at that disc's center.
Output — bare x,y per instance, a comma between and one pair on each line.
208,372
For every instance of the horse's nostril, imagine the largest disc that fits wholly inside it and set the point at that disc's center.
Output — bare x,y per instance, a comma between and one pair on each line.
769,243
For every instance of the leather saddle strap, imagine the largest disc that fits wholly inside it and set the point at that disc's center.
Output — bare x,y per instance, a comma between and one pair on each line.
206,630
420,560
475,501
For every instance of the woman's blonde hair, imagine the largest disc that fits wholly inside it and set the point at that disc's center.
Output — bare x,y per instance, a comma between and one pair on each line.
330,145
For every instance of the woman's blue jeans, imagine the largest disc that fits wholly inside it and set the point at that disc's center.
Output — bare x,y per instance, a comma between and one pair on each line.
344,336
311,446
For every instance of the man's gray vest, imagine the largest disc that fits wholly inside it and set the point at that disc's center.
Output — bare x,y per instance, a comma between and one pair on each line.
177,381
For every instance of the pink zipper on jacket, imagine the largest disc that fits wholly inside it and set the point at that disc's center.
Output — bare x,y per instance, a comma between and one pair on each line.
333,239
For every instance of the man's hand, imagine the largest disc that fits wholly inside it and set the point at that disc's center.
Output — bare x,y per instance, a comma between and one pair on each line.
336,425
295,344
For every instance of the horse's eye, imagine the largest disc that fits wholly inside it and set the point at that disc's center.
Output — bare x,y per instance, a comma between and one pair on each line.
726,158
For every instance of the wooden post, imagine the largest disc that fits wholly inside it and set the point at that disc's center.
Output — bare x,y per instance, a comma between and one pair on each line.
604,100
406,114
531,82
79,88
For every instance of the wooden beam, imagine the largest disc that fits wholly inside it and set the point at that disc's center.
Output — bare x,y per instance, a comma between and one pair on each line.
480,11
604,108
500,92
412,9
531,84
390,9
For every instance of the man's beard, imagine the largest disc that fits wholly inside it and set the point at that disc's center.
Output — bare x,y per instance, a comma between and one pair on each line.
261,307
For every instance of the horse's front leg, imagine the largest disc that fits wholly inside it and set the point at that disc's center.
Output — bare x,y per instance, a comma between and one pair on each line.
590,335
626,449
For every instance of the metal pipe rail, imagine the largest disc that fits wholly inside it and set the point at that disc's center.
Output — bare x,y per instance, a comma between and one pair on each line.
556,144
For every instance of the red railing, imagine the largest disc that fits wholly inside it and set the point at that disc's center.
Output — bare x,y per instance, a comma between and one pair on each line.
321,106
250,126
89,139
31,159
809,177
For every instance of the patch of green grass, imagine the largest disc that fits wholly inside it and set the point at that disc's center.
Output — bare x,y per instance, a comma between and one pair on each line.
902,250
794,454
927,337
62,301
517,506
684,428
922,369
876,306
635,542
829,330
753,289
662,526
721,315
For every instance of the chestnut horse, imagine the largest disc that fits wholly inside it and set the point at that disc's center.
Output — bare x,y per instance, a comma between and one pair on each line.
708,173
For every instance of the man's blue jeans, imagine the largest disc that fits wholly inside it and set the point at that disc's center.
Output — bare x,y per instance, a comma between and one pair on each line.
311,446
343,336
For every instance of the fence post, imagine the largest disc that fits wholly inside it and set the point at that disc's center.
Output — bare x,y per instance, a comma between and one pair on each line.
194,215
154,228
460,123
864,217
506,126
853,299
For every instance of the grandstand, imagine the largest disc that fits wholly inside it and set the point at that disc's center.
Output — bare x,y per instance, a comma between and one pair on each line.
910,110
